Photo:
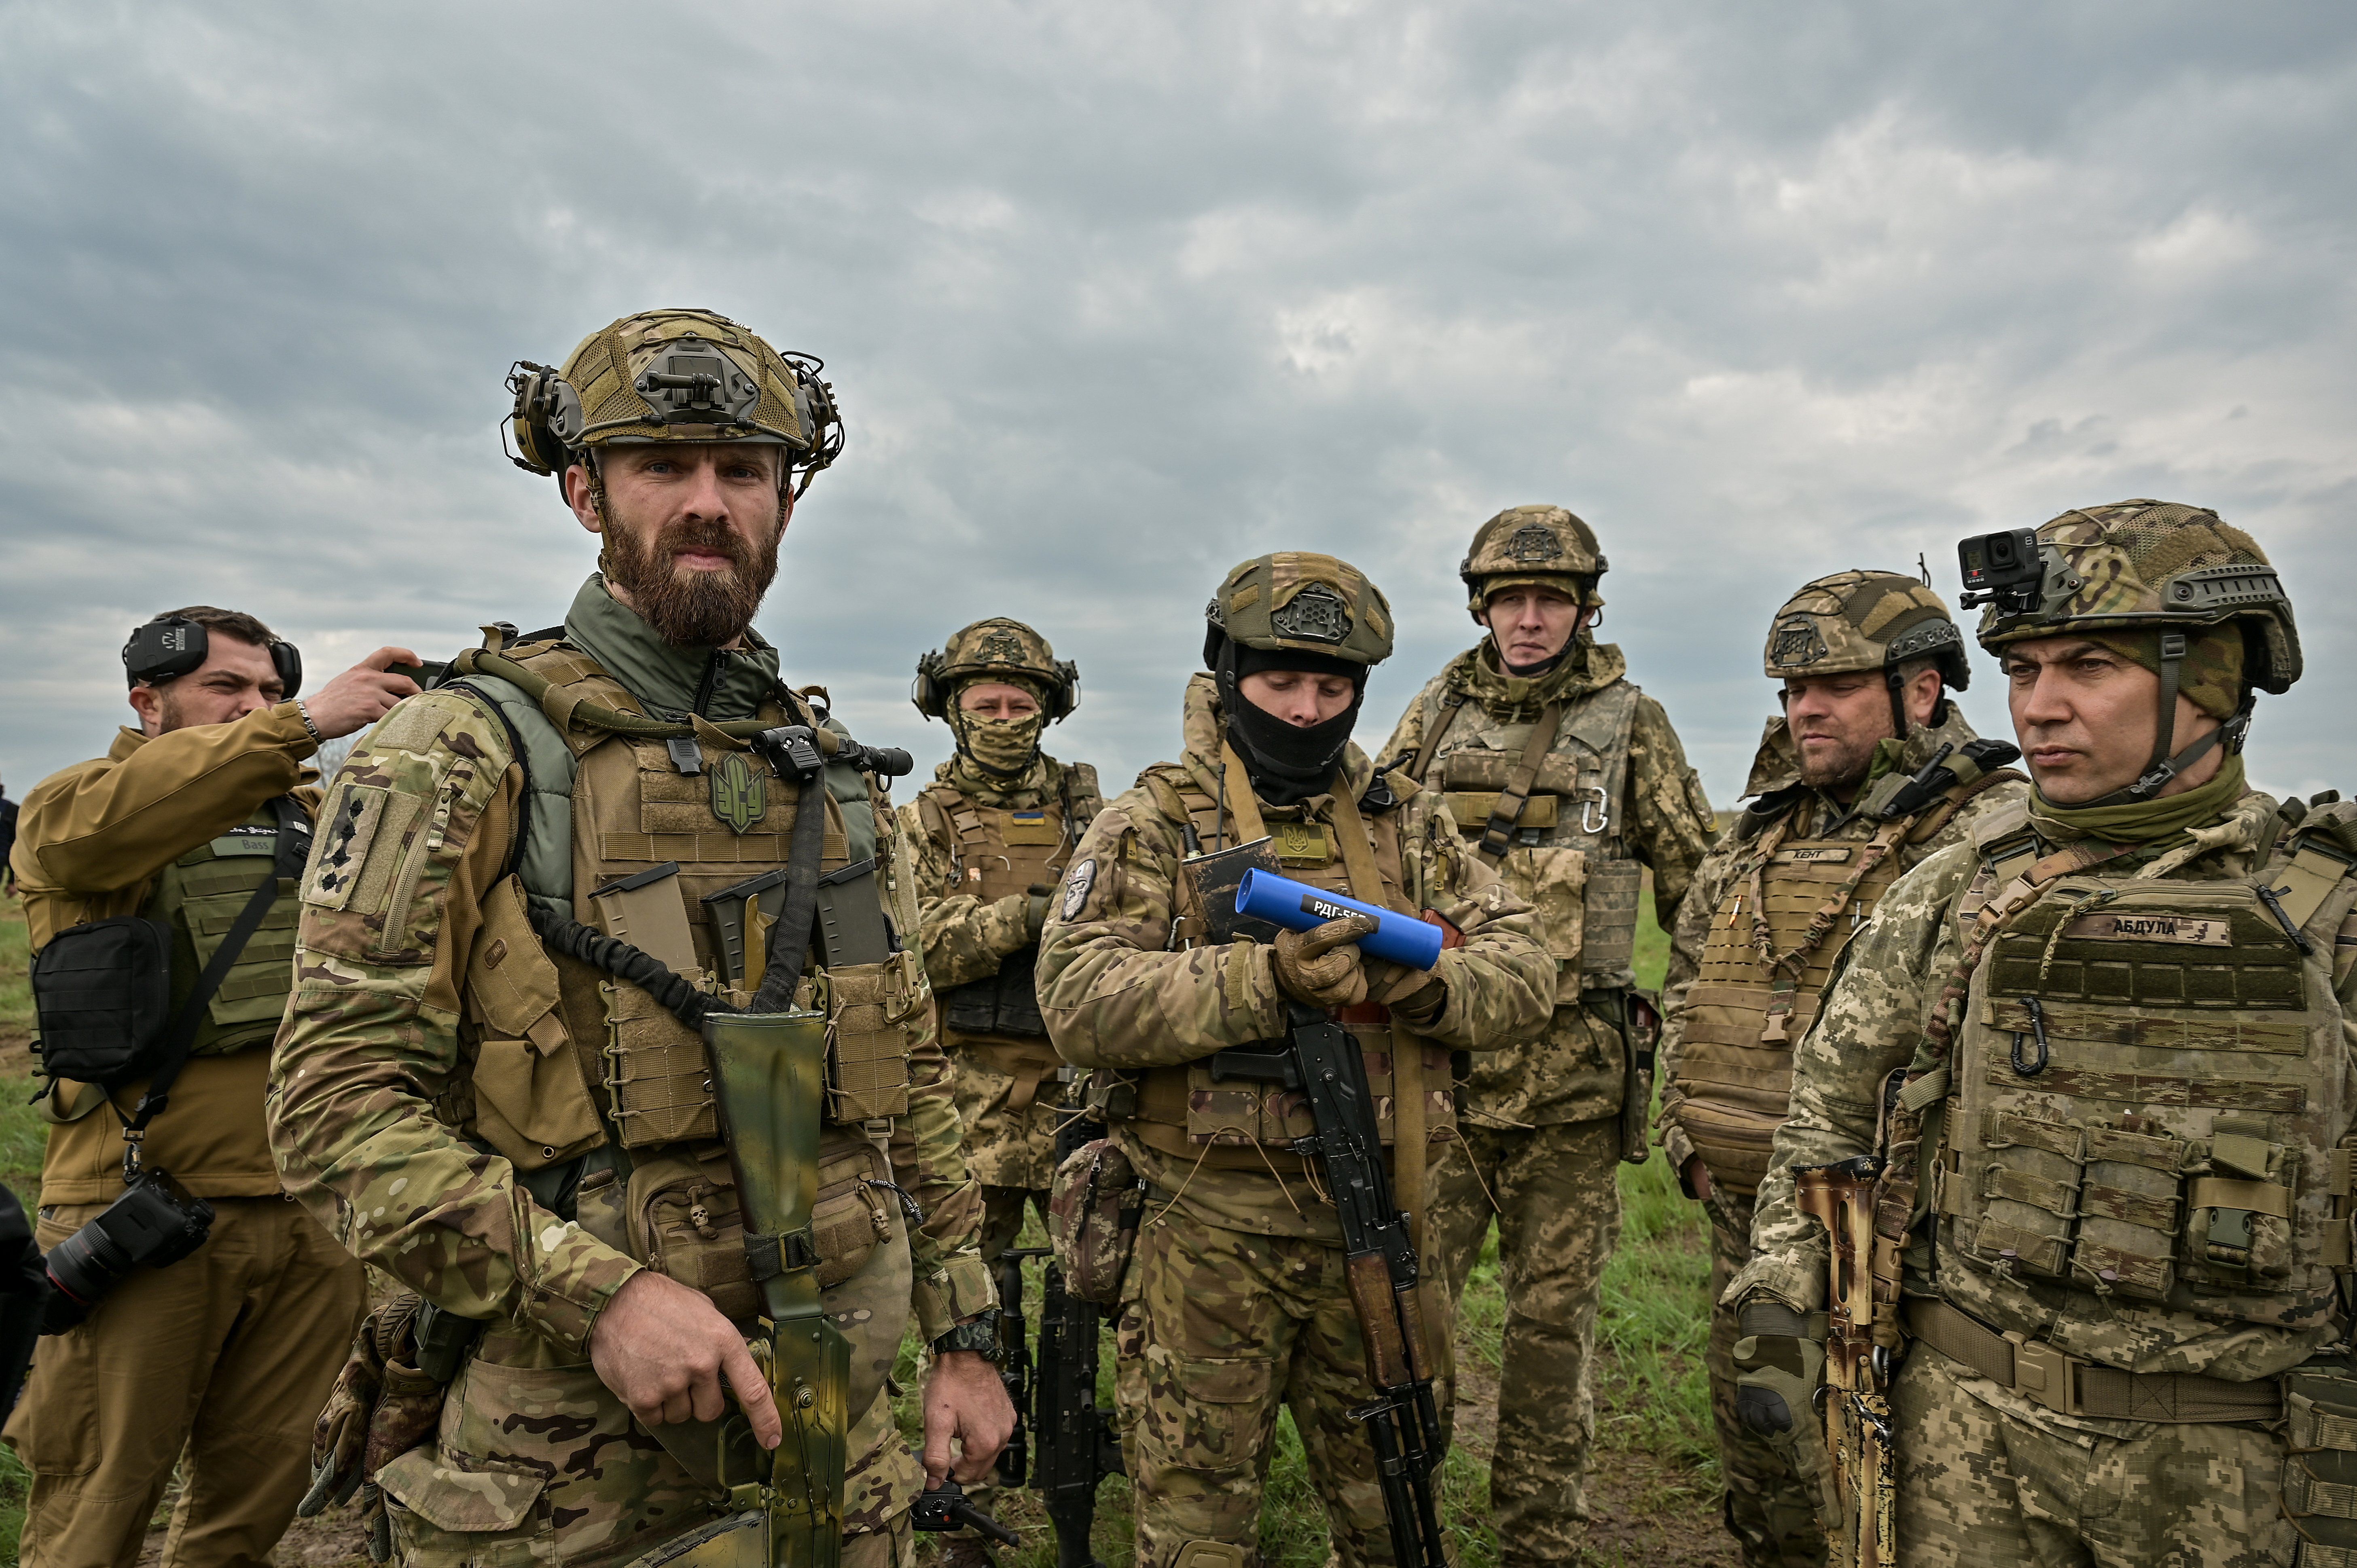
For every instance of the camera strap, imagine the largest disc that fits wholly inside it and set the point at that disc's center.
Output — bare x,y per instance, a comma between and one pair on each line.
287,864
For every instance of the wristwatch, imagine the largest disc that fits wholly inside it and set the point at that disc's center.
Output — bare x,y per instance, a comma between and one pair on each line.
981,1336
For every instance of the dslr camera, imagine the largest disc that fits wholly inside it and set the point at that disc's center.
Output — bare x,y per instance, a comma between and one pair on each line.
155,1222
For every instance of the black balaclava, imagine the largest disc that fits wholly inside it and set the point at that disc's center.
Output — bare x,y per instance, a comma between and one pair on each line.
1289,763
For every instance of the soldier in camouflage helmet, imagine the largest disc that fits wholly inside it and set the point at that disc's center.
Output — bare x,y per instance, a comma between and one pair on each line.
1234,1302
1866,660
1570,783
2103,1040
993,834
486,1083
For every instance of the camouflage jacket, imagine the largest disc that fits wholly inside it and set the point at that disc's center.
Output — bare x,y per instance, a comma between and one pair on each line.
370,1082
1775,781
1573,1070
964,938
1116,995
1875,1019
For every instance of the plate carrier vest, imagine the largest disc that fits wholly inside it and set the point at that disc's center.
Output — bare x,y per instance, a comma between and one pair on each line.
200,896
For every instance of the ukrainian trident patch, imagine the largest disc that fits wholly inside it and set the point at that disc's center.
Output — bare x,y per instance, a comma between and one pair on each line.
740,795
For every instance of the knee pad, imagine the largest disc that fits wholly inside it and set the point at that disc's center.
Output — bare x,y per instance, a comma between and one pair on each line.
1208,1554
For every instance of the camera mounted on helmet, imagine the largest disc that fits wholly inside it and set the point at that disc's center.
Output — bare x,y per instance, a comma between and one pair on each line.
170,647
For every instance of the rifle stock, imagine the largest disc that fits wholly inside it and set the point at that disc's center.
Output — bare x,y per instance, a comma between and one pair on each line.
1857,1371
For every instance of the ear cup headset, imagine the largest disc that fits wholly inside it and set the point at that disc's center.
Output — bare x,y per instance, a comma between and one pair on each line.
162,650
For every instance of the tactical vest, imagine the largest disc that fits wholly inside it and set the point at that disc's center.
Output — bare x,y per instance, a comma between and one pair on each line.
599,1094
200,896
2149,1099
997,852
1230,1123
1559,840
1745,1014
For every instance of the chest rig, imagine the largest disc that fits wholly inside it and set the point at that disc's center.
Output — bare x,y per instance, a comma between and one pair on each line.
997,852
200,896
1234,1124
676,847
1541,799
2150,1097
1773,941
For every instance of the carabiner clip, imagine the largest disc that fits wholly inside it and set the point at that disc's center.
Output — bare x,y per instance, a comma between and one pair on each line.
2038,1029
1601,808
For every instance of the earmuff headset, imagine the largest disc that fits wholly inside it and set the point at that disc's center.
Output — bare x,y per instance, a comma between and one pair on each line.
930,691
163,650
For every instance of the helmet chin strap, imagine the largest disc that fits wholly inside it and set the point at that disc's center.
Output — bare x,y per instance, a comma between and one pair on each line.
1890,678
2165,767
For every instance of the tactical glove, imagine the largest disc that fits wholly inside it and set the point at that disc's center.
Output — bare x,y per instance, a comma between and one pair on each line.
1321,965
1035,909
1415,996
1779,1363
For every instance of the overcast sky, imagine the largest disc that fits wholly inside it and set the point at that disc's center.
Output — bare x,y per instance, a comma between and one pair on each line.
1116,296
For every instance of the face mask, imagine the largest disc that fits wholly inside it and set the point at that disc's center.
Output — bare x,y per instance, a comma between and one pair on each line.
1001,747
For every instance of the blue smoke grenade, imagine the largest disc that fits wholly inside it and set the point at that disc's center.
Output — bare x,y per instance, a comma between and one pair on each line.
1281,901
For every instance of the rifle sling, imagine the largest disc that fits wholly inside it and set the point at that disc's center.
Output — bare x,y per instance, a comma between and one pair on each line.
1409,1128
1497,836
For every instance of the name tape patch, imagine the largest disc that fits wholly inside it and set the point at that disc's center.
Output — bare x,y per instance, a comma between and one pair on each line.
2191,930
1826,855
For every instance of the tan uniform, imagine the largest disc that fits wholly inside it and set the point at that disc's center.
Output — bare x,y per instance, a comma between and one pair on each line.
1731,1022
1234,1304
230,1351
1604,793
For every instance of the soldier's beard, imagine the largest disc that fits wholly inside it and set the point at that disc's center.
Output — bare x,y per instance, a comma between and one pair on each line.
1838,768
689,608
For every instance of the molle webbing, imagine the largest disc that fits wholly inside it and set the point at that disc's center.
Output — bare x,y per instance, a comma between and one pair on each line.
1498,831
2045,1376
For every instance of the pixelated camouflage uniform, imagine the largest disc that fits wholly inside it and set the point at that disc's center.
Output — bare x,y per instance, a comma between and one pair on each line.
1543,1129
1770,1508
448,1102
1234,1303
1989,1473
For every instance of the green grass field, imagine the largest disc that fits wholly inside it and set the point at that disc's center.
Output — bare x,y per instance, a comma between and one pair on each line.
1656,1491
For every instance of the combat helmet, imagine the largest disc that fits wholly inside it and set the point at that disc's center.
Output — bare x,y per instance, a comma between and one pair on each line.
1541,546
1299,602
998,649
1860,620
2139,566
673,375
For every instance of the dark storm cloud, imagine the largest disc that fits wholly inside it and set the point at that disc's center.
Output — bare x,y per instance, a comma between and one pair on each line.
1114,296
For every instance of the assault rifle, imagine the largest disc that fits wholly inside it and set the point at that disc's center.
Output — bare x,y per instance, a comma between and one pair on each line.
1319,1060
1056,1392
1857,1371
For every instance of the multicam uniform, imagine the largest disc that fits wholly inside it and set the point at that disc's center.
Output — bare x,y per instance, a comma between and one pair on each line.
1817,868
1603,792
514,1133
1234,1302
230,1351
2122,1123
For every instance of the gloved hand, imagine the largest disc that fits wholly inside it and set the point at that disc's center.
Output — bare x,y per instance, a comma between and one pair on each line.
1416,996
1779,1363
339,1437
1037,898
1321,965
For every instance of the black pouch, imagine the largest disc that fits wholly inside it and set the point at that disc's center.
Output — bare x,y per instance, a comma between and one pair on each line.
103,992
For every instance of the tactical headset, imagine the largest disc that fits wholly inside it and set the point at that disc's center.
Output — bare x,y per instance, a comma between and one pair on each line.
930,691
163,650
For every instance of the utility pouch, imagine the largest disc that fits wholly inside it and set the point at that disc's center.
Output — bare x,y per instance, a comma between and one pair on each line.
645,910
1095,1204
2238,1218
102,994
1608,945
687,1223
1553,882
2319,1474
872,1013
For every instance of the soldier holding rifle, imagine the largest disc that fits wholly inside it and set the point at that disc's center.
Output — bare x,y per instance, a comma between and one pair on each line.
2082,1086
515,1072
1238,1299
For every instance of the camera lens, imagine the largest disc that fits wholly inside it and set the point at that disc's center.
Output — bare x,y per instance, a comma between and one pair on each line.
2000,550
84,1267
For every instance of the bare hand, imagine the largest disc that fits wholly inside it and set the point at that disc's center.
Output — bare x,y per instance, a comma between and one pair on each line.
362,695
1697,1177
964,1400
1321,965
664,1349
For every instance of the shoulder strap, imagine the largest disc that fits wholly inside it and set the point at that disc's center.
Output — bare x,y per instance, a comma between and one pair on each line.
2309,865
1943,811
294,849
1449,701
1497,836
1240,803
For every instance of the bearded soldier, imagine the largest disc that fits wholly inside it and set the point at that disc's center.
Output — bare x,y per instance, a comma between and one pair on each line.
2102,1043
1569,781
487,1083
1868,771
992,835
1234,1302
